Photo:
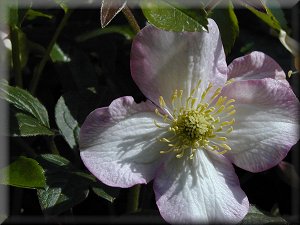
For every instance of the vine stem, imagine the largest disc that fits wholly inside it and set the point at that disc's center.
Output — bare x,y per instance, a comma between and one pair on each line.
133,198
131,19
14,35
39,69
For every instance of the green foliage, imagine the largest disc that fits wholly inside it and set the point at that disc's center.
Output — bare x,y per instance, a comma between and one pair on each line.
103,191
126,31
30,115
63,4
64,188
23,46
24,173
267,17
256,216
32,14
171,16
228,25
22,124
274,7
66,123
57,54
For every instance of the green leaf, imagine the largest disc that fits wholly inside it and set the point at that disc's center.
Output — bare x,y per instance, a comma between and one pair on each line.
25,125
63,4
109,9
65,186
256,216
278,13
228,25
32,14
24,173
24,101
126,31
30,117
266,17
57,54
66,123
13,17
103,191
171,16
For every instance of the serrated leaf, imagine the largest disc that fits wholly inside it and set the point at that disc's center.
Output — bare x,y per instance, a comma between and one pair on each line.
65,186
57,54
31,14
103,191
24,173
25,125
24,101
228,25
66,123
266,16
50,160
30,117
109,9
256,216
126,31
171,16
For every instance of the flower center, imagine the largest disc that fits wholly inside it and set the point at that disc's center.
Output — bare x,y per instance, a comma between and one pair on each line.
194,124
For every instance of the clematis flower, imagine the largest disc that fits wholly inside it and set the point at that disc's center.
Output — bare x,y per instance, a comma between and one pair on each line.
200,118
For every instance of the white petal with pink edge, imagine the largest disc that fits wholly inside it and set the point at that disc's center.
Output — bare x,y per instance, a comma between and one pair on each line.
205,189
119,143
163,61
267,123
255,65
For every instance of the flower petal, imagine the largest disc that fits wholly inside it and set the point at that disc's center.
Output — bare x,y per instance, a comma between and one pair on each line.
267,123
205,189
255,65
163,61
118,143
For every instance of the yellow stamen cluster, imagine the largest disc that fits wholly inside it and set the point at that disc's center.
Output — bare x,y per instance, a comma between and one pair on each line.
194,123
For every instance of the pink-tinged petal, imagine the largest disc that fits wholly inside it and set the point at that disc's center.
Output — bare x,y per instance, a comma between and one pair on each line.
255,65
163,61
203,190
267,123
119,144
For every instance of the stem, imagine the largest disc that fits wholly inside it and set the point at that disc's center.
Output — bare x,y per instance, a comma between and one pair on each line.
133,199
14,35
131,19
39,69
